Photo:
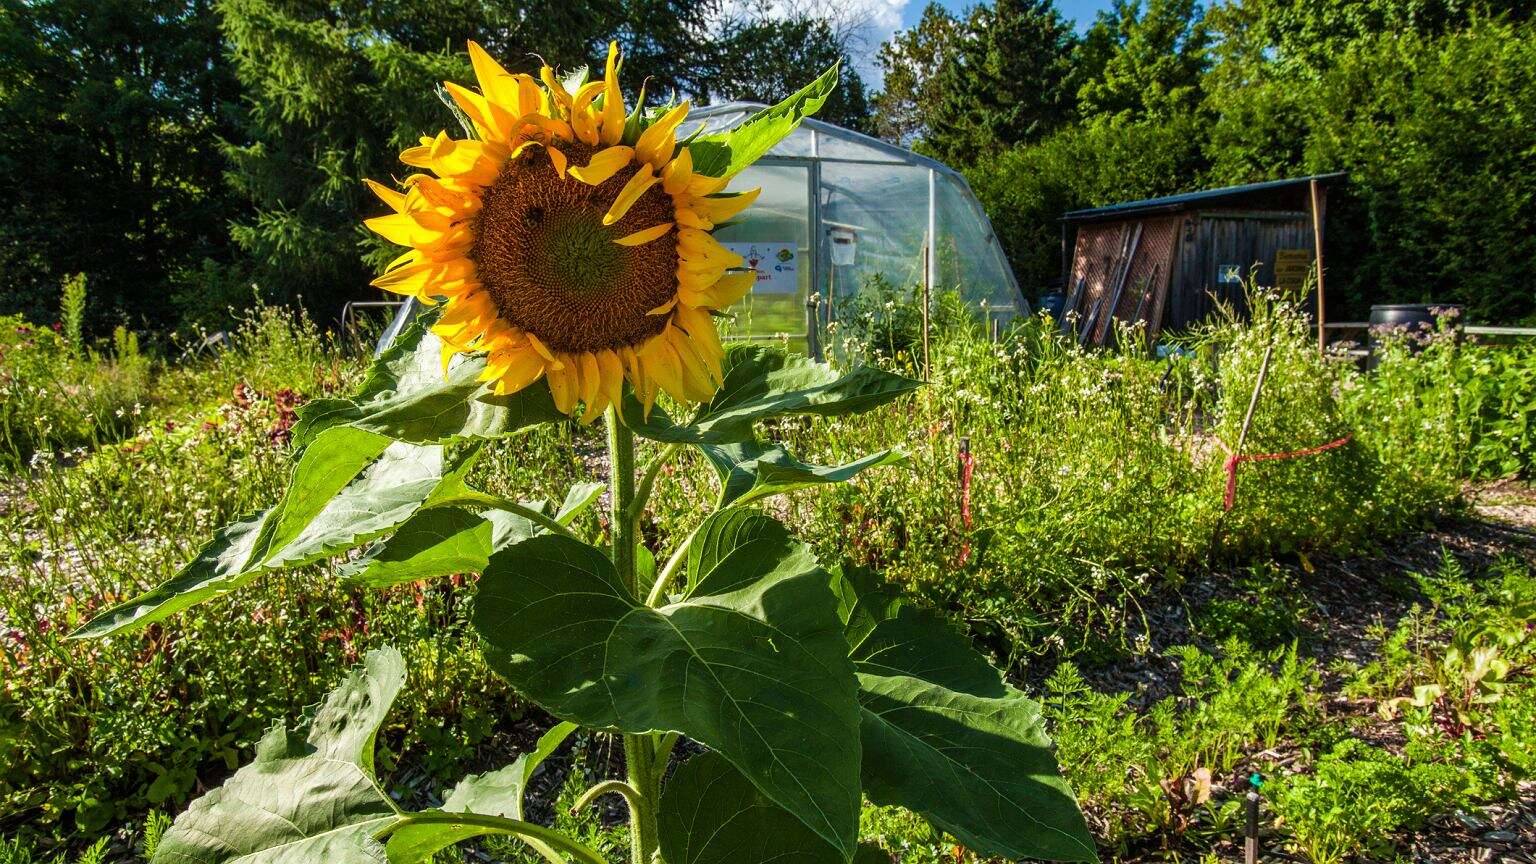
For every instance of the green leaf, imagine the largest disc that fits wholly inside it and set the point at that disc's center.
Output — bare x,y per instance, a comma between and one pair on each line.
752,663
762,382
710,814
738,545
441,541
407,397
348,488
752,471
726,154
310,793
945,736
495,793
436,542
577,499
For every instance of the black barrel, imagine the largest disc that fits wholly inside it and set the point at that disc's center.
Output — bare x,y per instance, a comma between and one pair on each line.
1418,319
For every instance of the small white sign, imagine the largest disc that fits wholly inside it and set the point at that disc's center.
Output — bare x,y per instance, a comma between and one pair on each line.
777,265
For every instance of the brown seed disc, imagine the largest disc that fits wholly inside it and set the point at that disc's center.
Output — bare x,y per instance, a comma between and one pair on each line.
550,264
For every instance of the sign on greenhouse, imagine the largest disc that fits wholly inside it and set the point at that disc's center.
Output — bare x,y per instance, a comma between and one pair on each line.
776,265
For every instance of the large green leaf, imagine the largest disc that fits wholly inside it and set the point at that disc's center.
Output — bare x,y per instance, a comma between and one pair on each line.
710,814
309,795
349,487
441,541
762,382
752,471
407,397
945,736
726,154
495,793
752,663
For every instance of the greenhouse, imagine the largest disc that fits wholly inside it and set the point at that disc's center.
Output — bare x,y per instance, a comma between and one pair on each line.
841,211
877,213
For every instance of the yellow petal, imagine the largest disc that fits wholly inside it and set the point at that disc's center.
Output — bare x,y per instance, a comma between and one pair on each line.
557,159
529,97
524,369
720,294
496,83
663,308
493,121
422,279
675,177
613,100
663,366
605,163
591,387
644,235
717,210
394,200
658,140
401,230
631,193
698,379
562,386
559,100
697,247
544,352
700,327
612,376
583,119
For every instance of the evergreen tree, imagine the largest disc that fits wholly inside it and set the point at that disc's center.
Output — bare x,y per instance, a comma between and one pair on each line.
1005,83
910,65
110,114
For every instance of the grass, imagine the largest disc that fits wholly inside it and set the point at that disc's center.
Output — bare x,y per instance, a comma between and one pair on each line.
1097,490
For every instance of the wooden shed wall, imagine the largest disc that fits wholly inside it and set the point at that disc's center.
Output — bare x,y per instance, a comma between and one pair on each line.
1212,241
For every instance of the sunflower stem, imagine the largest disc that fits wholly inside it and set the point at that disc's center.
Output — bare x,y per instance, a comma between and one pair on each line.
639,750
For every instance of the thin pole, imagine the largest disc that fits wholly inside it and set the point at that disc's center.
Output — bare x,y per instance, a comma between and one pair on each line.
1317,245
927,292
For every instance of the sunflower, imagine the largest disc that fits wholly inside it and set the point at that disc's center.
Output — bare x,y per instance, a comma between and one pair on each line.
568,240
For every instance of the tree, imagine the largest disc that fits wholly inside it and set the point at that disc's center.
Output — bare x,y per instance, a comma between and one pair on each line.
334,90
1153,59
110,114
1004,83
764,58
910,65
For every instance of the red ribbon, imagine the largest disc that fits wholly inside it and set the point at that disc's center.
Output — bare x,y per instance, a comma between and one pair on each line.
1233,460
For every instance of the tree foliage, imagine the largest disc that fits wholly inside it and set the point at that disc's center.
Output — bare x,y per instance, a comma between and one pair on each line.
110,113
1425,103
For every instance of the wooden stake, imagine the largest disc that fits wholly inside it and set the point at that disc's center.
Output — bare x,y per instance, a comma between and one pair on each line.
1317,245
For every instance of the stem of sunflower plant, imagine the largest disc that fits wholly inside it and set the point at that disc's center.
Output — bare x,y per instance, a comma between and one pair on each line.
639,750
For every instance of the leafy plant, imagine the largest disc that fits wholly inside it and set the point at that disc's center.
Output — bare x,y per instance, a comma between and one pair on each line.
807,686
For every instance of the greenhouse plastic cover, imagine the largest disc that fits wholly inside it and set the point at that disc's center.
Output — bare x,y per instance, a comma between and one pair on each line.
871,214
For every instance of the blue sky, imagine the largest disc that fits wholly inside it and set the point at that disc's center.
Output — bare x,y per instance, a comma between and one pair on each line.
1082,11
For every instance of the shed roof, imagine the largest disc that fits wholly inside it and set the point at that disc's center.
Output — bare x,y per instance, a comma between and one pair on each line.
1271,194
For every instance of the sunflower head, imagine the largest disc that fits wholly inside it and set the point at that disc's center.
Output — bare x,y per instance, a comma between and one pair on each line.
568,239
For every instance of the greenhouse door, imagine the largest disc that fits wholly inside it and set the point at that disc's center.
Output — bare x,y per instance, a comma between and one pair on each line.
774,238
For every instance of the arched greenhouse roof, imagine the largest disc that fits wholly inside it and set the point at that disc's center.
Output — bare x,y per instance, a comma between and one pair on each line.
848,217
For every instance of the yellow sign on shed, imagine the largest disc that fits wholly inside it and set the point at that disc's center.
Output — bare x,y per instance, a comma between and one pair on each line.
1291,268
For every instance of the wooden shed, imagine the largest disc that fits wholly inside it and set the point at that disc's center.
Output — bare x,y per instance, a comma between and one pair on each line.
1169,261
